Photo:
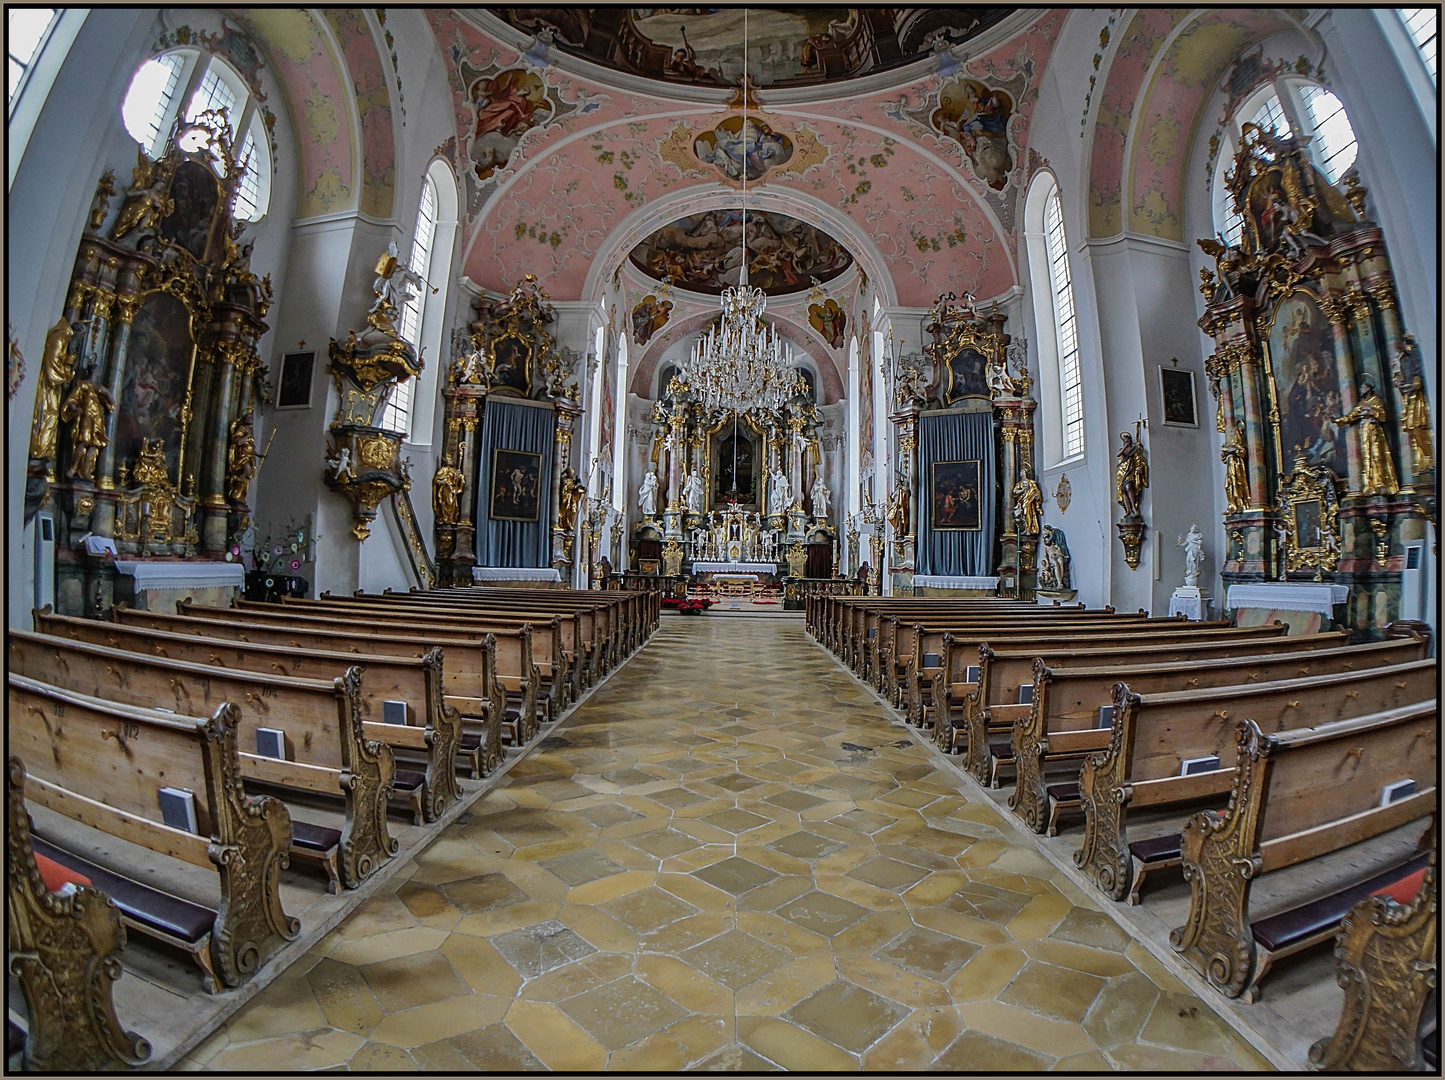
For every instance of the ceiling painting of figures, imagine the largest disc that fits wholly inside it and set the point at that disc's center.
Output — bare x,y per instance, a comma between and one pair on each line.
703,253
796,46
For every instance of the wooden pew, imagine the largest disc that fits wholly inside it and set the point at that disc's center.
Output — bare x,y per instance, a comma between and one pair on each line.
336,754
1149,739
1063,722
862,641
64,951
103,765
638,610
553,642
1386,953
469,675
1298,795
549,659
833,612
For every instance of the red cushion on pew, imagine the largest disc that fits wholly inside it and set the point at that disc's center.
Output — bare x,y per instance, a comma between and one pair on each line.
1405,890
56,876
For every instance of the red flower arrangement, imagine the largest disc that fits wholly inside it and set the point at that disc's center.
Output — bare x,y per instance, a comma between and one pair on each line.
692,606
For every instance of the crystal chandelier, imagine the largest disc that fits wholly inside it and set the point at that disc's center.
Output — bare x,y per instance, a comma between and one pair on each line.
742,365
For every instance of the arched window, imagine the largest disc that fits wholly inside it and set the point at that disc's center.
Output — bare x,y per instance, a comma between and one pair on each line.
1055,320
397,414
162,85
811,382
1424,26
25,30
1287,107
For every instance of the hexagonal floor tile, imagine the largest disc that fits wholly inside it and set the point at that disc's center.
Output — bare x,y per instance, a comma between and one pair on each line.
735,958
806,845
735,875
580,867
928,953
823,913
736,820
485,892
622,1012
535,950
847,1015
888,874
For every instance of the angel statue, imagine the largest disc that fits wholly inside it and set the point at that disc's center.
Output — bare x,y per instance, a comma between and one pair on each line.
1193,545
392,285
86,411
1000,383
1131,476
146,202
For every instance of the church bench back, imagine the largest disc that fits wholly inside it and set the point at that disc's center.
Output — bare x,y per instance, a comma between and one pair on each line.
848,612
417,681
1148,744
64,951
1297,794
1058,725
333,753
632,610
103,764
861,633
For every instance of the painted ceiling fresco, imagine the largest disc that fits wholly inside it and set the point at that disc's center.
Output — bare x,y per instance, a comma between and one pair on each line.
703,252
796,46
919,183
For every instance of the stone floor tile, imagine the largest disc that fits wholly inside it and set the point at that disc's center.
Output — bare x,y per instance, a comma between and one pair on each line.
775,893
554,1037
648,909
928,953
791,1047
580,867
1121,1009
823,913
888,874
345,998
477,961
1079,957
409,981
1055,1038
386,946
904,987
676,1047
1058,992
533,950
1093,928
586,974
1183,1022
622,1011
736,875
806,845
735,958
288,1006
685,933
915,1043
976,1052
489,1049
684,983
847,1015
483,893
440,1020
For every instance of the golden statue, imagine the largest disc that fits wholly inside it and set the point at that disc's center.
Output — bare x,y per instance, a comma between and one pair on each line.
240,458
571,494
150,464
57,368
1131,476
1028,504
898,510
1416,422
1377,468
86,410
1236,474
146,202
446,485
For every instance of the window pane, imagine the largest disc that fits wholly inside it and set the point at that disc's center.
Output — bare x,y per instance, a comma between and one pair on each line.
1424,25
1334,142
150,96
1271,115
397,414
420,262
213,93
1066,326
248,197
26,26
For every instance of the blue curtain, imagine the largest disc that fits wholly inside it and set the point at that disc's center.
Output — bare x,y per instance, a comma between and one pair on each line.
956,437
509,426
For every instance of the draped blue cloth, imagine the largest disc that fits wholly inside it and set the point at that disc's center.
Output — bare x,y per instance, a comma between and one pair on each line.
956,437
509,426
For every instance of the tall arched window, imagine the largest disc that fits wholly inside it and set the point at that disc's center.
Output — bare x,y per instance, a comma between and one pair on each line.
1287,107
25,30
397,414
1424,26
1055,320
154,101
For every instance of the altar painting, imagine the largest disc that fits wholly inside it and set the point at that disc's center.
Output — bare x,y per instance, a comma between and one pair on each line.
967,377
957,496
157,380
1305,382
196,197
516,485
743,475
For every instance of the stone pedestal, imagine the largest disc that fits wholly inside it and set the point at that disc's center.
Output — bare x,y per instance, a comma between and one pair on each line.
1190,602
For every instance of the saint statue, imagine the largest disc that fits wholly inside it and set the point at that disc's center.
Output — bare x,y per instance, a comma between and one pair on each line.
898,509
240,458
1131,476
821,495
1053,560
781,496
647,494
1236,476
1416,422
1193,545
692,492
1028,504
570,496
86,411
1377,468
446,485
57,368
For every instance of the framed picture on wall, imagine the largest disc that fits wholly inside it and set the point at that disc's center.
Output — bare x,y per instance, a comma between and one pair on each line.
293,387
1176,389
516,485
957,496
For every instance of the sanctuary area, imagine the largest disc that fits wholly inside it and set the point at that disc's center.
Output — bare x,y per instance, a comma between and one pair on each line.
639,539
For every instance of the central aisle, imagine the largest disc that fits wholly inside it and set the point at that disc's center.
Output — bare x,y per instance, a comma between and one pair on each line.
730,857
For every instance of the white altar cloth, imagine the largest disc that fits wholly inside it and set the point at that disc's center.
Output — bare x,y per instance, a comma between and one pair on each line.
1287,596
166,574
943,581
515,573
734,567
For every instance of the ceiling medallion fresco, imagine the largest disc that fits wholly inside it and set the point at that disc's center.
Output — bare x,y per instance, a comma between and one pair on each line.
801,46
701,252
741,143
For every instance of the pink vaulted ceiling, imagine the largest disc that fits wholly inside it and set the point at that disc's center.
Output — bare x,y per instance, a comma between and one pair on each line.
876,162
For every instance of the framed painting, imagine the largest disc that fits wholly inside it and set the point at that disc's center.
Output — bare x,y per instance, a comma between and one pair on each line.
1308,519
649,566
1176,392
957,496
967,374
516,485
195,206
293,387
512,363
155,394
1304,378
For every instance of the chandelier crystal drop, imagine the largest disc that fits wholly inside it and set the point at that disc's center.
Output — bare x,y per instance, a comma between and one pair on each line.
742,365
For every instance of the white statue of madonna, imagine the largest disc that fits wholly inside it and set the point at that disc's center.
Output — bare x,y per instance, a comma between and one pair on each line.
647,494
1193,545
821,495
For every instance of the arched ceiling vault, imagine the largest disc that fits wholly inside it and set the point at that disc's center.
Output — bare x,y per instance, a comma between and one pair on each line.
1166,66
560,170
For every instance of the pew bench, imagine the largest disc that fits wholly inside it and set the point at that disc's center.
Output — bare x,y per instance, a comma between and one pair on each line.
331,752
108,767
1150,739
1298,795
63,947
